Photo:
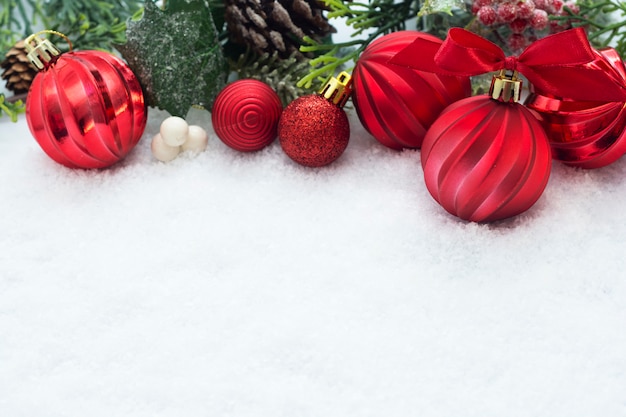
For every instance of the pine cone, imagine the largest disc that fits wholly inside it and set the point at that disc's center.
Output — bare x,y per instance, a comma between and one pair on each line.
267,26
18,72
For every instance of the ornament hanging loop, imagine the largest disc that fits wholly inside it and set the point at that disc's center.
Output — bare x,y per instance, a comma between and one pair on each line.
506,88
42,52
337,90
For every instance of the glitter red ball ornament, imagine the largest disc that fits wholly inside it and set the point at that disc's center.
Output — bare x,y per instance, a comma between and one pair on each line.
586,134
398,104
486,159
314,130
245,115
85,109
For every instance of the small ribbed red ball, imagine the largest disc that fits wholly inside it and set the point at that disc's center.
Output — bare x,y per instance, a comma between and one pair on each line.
245,115
313,131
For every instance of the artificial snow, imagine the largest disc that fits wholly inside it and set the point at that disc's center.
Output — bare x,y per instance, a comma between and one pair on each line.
232,284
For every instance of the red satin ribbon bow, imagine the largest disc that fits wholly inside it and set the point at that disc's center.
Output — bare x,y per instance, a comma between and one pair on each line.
559,64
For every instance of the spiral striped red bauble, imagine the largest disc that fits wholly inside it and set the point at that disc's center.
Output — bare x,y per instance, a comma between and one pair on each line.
485,160
585,134
245,115
396,104
86,109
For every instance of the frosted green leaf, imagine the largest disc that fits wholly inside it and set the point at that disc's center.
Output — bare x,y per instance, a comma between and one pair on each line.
440,6
176,56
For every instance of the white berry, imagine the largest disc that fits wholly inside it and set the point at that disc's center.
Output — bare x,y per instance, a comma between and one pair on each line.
197,139
174,131
162,151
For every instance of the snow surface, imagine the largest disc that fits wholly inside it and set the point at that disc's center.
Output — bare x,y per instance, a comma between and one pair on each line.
229,284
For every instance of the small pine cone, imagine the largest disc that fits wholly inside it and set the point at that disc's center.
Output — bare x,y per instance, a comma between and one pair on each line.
18,72
267,26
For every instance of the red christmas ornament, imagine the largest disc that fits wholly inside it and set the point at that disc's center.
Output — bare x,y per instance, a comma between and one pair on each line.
586,134
398,104
85,109
314,130
245,115
487,159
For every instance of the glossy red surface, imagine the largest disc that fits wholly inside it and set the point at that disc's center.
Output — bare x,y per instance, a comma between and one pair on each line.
397,104
245,115
485,160
586,134
86,110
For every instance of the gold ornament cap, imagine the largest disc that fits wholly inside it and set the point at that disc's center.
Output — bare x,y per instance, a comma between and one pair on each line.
338,89
41,52
506,88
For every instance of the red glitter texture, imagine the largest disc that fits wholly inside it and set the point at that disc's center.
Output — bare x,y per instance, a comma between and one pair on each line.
313,131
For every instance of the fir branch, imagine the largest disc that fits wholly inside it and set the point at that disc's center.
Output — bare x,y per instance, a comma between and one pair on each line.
91,24
10,107
9,25
598,17
378,17
16,23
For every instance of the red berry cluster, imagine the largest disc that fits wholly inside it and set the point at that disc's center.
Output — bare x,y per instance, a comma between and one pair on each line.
523,18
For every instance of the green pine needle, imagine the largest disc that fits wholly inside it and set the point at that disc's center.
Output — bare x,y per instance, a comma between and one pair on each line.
89,24
11,108
605,22
280,74
375,18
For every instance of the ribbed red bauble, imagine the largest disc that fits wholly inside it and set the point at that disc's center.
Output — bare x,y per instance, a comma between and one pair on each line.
85,109
487,158
586,134
397,104
314,130
245,115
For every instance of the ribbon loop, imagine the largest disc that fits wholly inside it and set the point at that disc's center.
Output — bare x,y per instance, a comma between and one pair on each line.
561,64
